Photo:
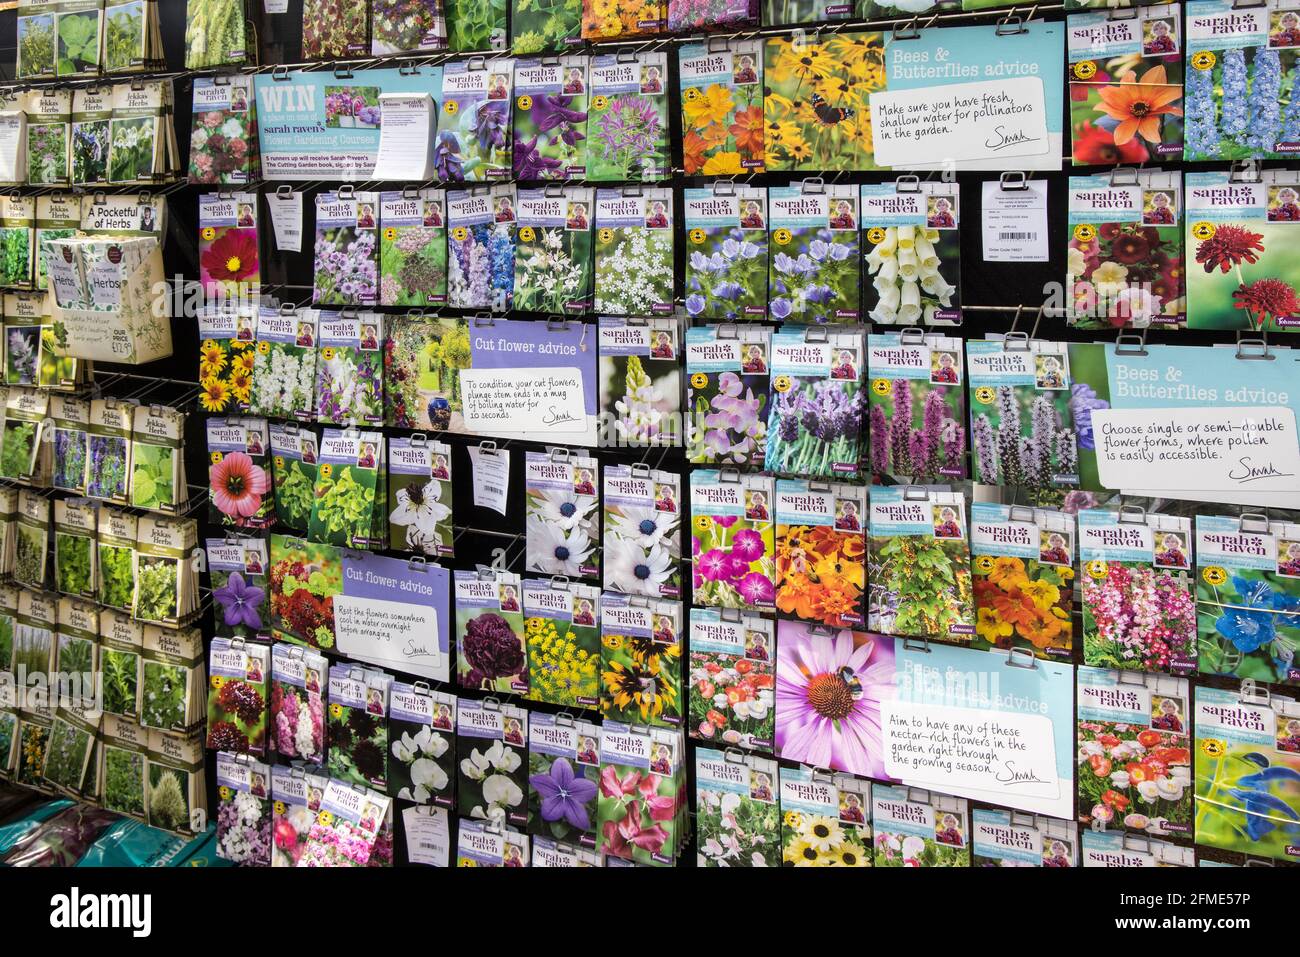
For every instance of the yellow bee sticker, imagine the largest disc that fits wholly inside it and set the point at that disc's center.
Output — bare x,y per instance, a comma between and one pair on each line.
599,102
698,236
279,461
1097,568
217,681
527,234
612,641
691,95
390,234
524,102
984,394
451,106
1085,70
703,523
605,235
278,807
1215,575
1213,747
782,237
459,234
225,792
217,457
209,233
782,383
324,818
984,564
876,235
264,347
880,386
1203,230
1085,232
699,380
1204,60
327,353
336,711
327,470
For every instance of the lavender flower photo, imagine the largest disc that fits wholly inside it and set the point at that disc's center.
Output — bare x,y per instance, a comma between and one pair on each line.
815,419
917,407
727,395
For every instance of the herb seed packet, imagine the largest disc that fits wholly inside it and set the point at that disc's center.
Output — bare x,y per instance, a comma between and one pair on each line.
826,820
641,661
294,467
562,517
474,142
422,733
420,488
553,265
37,39
357,727
640,381
121,768
115,559
166,590
641,803
913,257
33,539
284,367
226,362
68,754
562,628
349,507
1023,568
296,797
297,710
157,460
722,107
349,368
1134,768
33,739
57,217
1001,839
346,252
1022,425
121,644
481,248
815,269
1248,596
109,446
488,843
223,144
216,34
491,653
918,572
24,452
239,674
1117,849
92,111
821,568
49,115
229,267
731,679
491,744
347,829
550,123
402,26
17,236
138,144
738,820
1139,609
729,385
917,418
237,570
305,577
563,778
643,536
634,251
815,418
239,478
74,547
331,31
176,780
243,811
627,125
22,345
917,829
726,260
172,680
413,248
733,544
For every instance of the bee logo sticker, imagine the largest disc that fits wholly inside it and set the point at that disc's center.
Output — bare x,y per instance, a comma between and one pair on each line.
524,102
599,102
1204,60
527,234
209,233
1213,747
880,386
984,564
782,383
1085,70
1097,569
699,380
876,235
390,234
782,237
605,235
459,234
984,394
1215,575
451,106
698,236
1203,231
1085,232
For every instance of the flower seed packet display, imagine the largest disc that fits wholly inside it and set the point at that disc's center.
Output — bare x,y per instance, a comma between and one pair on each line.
641,660
226,362
243,810
821,567
489,844
491,745
116,536
216,34
74,547
349,507
17,235
1003,839
223,145
562,625
913,260
33,538
474,142
1125,262
553,266
349,368
1023,568
641,807
296,797
412,248
407,26
175,782
157,460
293,470
332,30
346,251
550,123
420,491
57,217
121,768
729,386
640,380
634,251
68,755
643,535
1022,426
298,688
1139,609
914,828
738,820
722,107
490,648
109,447
919,568
1126,86
347,828
731,679
816,413
357,726
172,680
1117,849
726,252
627,120
733,540
563,774
284,366
141,144
1248,596
563,514
815,267
25,453
1238,227
305,577
826,820
481,248
49,113
239,478
917,417
239,674
228,261
1134,763
92,111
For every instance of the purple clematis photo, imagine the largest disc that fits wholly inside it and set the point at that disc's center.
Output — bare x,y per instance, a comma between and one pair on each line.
240,602
564,795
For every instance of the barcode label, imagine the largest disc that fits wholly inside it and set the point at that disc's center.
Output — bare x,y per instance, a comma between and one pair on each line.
493,489
1018,236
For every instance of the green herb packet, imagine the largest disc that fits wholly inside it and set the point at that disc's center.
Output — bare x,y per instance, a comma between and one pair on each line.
108,462
175,782
92,111
215,34
121,768
293,470
23,454
172,679
49,116
166,590
80,37
157,459
57,217
121,647
32,540
17,241
420,491
116,534
137,137
358,725
68,753
545,28
350,493
37,39
76,523
23,322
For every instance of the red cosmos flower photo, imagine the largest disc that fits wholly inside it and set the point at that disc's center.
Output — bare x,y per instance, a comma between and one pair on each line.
229,257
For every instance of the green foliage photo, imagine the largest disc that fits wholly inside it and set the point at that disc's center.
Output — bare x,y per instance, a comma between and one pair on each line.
73,572
121,676
344,507
123,780
295,485
156,588
116,579
78,42
153,473
123,36
169,806
165,695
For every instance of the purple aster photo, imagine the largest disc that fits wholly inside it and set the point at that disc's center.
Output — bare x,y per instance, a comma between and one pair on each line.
564,795
240,602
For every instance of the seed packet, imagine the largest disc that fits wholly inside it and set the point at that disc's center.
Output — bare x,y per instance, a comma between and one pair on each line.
627,123
346,251
1139,611
332,30
347,829
17,235
1238,225
1228,53
76,658
919,567
37,39
821,568
8,742
491,742
1134,764
491,654
726,260
223,145
816,414
563,774
1022,426
490,844
550,124
32,539
643,538
349,368
49,114
176,782
70,418
297,704
722,106
562,629
641,660
226,362
33,737
57,217
686,16
420,489
915,828
243,810
74,547
239,675
172,679
407,26
157,461
733,545
109,446
826,820
642,800
35,620
293,459
121,644
481,248
296,797
24,453
237,570
1248,597
1117,849
121,767
474,127
640,381
229,268
731,679
634,251
350,495
536,29
166,590
729,384
475,25
913,257
563,517
22,345
357,726
548,852
815,268
422,733
138,214
917,418
412,247
217,33
115,557
284,368
305,577
1126,85
141,145
239,478
553,266
8,530
621,19
737,818
1002,839
92,111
